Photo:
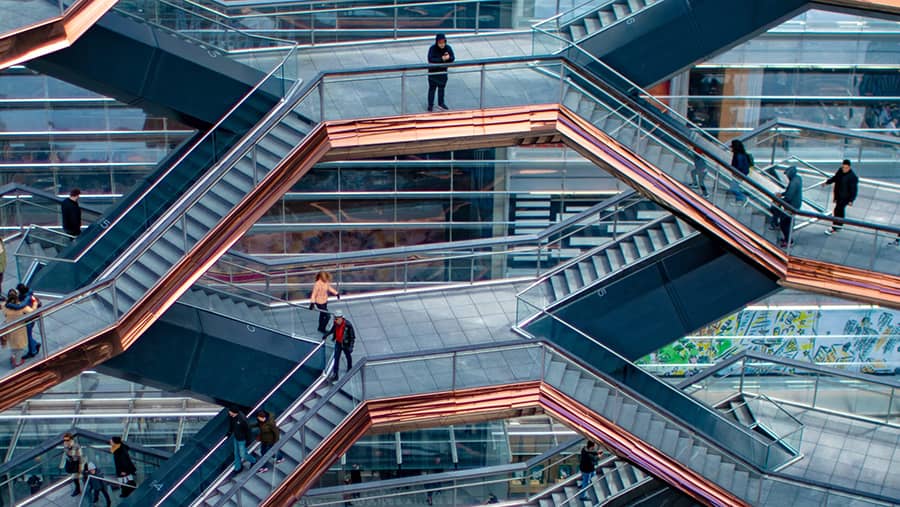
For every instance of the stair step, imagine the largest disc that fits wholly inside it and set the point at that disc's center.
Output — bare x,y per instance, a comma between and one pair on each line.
621,10
577,31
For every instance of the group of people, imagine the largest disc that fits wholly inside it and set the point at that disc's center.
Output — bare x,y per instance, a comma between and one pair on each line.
73,463
20,341
21,300
844,180
240,431
341,330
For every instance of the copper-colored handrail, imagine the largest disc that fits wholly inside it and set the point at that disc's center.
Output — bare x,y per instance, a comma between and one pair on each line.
456,130
873,6
53,34
806,274
485,403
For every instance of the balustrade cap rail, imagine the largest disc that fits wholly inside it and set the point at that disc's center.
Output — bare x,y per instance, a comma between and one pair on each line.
453,245
784,361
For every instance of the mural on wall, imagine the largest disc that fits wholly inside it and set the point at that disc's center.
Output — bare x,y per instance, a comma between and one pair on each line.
865,340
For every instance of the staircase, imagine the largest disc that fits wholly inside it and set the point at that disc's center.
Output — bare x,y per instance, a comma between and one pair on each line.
583,272
236,182
227,304
303,429
738,409
650,426
616,479
594,21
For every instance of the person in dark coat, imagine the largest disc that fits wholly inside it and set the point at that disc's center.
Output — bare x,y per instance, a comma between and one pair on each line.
71,213
268,435
125,469
793,195
845,185
344,339
439,52
239,430
587,465
740,163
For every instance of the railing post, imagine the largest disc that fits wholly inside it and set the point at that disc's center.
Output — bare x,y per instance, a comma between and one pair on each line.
874,251
481,88
403,92
815,391
472,267
477,19
453,373
890,407
322,99
253,159
774,144
42,329
743,368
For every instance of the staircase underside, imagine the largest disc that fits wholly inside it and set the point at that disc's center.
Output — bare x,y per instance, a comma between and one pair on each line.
423,133
486,403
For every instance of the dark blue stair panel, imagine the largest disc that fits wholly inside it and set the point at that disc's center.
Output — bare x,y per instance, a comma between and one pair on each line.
146,66
669,36
665,298
211,357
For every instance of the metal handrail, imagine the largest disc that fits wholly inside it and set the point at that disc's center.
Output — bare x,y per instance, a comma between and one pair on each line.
297,94
550,347
743,179
209,133
248,322
784,361
53,443
574,498
352,373
456,475
590,253
183,33
309,391
777,123
431,247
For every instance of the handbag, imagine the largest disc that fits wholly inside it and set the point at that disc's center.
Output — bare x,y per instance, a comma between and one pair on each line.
128,485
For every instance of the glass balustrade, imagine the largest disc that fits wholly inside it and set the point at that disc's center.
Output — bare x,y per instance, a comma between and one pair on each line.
795,384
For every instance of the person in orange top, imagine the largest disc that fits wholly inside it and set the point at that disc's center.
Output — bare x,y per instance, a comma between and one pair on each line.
319,298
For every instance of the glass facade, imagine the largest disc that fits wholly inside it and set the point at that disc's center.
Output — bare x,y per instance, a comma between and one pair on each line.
55,136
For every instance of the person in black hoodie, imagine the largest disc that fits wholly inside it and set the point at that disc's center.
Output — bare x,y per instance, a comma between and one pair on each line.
439,52
845,184
793,195
125,468
239,429
71,213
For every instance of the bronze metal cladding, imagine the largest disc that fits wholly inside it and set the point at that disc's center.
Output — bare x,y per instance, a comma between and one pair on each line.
51,35
440,132
484,403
